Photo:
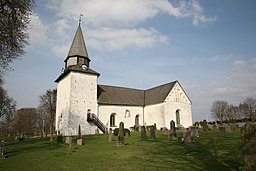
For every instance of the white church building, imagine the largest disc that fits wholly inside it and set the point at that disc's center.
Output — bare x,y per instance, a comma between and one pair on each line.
82,101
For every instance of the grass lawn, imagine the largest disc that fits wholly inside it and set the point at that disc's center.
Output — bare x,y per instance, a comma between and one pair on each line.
99,154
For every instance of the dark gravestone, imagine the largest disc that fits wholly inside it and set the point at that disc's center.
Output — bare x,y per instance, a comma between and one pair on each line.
222,130
172,128
143,133
152,133
155,126
248,137
120,136
2,149
205,126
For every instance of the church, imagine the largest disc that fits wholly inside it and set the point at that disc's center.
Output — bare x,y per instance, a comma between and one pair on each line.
96,108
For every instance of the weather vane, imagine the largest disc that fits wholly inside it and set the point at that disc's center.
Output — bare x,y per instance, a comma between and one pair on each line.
80,18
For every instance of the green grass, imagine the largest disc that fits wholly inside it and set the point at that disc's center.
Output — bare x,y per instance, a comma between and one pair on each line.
99,154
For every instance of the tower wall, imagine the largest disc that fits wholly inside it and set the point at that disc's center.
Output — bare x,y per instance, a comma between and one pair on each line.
77,94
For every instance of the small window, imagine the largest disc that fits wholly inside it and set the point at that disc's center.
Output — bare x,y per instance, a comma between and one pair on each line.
127,114
112,119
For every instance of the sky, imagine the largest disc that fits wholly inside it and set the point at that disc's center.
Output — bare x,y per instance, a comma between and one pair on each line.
208,46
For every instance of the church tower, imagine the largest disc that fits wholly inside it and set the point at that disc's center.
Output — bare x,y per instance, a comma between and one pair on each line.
76,90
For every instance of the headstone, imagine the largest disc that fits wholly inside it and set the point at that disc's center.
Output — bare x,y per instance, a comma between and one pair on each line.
152,133
222,130
67,141
172,128
120,136
214,128
110,135
227,127
155,126
166,131
187,138
80,141
2,149
143,133
205,126
70,143
193,132
248,134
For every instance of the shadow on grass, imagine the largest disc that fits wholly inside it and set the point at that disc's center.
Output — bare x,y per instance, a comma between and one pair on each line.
195,156
13,148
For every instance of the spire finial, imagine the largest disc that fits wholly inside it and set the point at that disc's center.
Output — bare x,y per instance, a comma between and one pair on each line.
80,18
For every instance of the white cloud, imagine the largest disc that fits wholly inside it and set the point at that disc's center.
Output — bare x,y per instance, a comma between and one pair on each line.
38,32
127,13
114,39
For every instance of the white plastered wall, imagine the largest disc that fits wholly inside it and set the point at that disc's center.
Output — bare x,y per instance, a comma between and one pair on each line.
106,110
81,90
178,100
154,114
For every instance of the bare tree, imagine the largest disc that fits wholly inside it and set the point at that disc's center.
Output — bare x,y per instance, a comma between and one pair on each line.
25,121
48,104
14,23
249,108
233,112
219,110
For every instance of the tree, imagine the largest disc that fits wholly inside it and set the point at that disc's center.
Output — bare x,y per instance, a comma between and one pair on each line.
14,23
219,110
25,121
249,108
7,104
48,104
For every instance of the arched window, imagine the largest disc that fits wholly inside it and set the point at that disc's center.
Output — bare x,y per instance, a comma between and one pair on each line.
112,119
178,117
127,114
137,123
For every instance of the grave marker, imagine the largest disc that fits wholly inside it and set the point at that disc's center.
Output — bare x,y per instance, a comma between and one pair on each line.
143,133
248,134
152,133
120,136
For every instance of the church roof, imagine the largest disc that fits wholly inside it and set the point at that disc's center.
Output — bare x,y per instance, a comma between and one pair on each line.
76,68
112,95
78,47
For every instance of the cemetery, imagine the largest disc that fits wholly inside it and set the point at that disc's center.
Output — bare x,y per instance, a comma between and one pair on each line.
207,147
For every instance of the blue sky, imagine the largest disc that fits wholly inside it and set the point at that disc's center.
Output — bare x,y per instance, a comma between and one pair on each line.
208,46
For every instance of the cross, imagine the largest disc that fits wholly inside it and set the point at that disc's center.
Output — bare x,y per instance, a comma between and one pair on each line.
80,18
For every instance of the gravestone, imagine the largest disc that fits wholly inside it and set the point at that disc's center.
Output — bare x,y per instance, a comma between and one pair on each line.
165,131
222,130
80,141
2,149
155,126
67,141
172,128
143,133
193,132
248,134
152,133
110,135
120,136
187,138
227,127
205,126
214,128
